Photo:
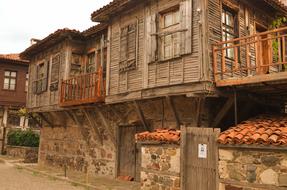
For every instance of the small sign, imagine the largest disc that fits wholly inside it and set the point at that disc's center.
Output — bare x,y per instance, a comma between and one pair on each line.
202,151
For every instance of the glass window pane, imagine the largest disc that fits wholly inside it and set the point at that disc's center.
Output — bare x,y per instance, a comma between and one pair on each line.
6,86
7,73
12,81
6,81
176,17
12,86
167,20
13,74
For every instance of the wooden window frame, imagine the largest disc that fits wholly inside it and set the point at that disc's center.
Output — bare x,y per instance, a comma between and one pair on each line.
79,66
128,60
173,31
226,28
55,65
41,83
27,82
10,78
89,65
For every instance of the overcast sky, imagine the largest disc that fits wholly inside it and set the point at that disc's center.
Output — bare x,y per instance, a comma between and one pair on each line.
22,20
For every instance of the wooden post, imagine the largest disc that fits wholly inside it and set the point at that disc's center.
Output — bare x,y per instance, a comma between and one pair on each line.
3,140
141,116
173,110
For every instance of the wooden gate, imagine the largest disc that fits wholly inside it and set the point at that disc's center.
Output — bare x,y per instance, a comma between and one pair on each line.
199,158
128,152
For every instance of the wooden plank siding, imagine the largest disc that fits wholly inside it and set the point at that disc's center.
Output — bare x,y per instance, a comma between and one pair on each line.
49,99
156,74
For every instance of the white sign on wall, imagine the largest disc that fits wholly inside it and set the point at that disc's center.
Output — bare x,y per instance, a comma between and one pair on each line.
202,151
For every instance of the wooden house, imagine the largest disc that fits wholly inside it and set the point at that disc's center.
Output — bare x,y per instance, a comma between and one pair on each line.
157,64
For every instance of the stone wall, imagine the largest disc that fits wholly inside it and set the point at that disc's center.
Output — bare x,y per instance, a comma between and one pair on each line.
252,169
160,167
29,154
77,149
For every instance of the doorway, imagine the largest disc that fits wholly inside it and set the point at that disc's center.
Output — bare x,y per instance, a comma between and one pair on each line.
128,151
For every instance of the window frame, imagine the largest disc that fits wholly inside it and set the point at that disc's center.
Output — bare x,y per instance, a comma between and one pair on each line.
229,53
172,31
27,82
128,60
10,78
41,77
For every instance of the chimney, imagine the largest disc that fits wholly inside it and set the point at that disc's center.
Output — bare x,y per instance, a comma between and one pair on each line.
34,41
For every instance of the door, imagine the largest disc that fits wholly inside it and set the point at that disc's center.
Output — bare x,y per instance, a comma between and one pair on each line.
264,50
128,152
199,158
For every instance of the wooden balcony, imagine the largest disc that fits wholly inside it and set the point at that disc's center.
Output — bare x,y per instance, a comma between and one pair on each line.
83,89
258,58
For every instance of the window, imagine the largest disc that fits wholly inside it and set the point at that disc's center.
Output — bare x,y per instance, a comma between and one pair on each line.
41,82
170,35
10,78
55,68
128,47
90,66
55,72
229,29
76,64
26,82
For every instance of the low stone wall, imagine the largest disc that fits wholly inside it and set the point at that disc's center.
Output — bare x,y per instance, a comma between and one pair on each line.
252,169
29,154
160,167
77,149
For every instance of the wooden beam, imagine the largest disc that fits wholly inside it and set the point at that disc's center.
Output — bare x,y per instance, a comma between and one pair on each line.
75,118
93,125
253,79
200,105
141,116
43,117
105,123
226,107
173,110
68,114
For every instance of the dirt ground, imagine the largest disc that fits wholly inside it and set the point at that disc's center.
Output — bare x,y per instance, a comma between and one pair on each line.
13,178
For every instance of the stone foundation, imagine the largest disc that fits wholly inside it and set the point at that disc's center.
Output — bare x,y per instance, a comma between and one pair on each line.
160,167
256,169
29,154
67,147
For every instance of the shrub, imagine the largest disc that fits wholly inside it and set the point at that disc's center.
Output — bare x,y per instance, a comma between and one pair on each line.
23,138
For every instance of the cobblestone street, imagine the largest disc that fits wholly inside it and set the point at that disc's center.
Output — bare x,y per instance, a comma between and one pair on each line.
12,178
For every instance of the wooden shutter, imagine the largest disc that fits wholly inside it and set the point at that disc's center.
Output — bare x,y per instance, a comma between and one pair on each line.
55,68
151,38
186,25
132,37
45,78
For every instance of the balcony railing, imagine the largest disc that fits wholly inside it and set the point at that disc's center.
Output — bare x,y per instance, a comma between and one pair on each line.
83,89
261,57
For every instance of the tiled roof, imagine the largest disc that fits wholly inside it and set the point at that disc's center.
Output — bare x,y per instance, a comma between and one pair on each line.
101,14
50,40
265,129
160,135
95,29
112,6
13,57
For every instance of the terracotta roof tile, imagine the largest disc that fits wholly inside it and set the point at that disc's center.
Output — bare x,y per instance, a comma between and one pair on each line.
265,129
13,57
160,135
101,14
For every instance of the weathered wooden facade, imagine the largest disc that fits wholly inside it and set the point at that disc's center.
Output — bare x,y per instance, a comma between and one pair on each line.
148,65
